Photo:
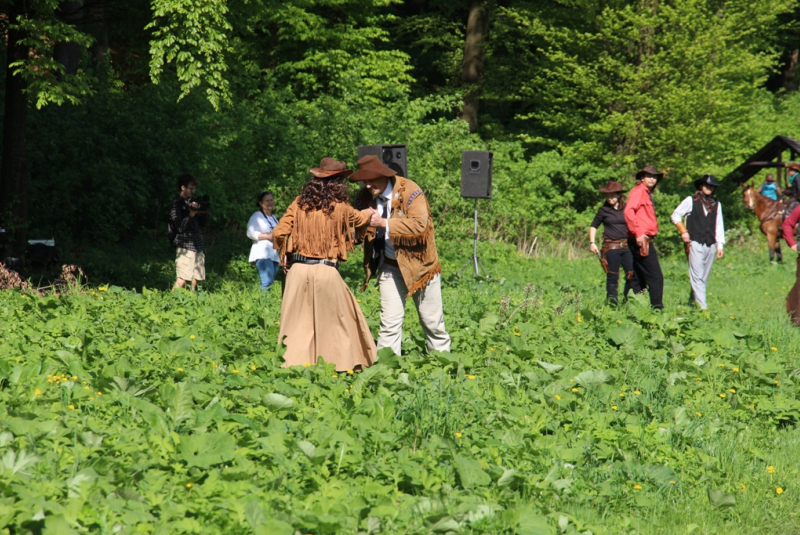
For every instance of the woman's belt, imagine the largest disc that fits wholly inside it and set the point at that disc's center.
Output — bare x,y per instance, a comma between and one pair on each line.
609,245
300,259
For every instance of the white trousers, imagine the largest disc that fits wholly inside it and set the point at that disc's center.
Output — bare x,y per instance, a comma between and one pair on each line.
393,305
701,257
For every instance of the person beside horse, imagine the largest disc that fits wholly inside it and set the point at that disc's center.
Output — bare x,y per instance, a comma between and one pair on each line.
615,252
703,233
789,228
640,217
770,213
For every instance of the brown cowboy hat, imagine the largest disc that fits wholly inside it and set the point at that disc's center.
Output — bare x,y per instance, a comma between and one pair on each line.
370,168
613,187
794,166
329,168
649,170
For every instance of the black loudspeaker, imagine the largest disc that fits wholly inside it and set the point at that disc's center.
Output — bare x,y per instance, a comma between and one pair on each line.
476,174
392,156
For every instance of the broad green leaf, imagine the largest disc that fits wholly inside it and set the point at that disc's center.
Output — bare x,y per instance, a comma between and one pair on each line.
551,368
592,377
277,402
717,498
207,449
626,335
471,473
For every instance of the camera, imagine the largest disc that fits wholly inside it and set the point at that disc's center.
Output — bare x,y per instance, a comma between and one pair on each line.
202,201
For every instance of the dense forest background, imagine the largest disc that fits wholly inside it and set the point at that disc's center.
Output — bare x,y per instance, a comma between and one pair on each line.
107,102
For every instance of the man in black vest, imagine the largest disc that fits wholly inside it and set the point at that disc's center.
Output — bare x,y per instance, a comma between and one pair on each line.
704,234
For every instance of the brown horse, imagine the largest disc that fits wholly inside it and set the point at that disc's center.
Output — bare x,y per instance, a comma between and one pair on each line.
771,214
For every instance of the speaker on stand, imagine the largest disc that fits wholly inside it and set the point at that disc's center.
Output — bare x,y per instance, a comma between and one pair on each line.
393,156
476,183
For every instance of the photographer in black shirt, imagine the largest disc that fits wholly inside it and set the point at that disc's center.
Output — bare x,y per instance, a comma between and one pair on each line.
614,251
187,216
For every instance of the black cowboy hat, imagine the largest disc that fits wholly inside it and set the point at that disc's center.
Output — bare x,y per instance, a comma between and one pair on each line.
711,180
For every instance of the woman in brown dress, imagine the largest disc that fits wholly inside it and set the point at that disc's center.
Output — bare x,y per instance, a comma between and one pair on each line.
319,314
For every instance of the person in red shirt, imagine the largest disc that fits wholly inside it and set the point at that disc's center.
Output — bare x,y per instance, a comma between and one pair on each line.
793,299
640,215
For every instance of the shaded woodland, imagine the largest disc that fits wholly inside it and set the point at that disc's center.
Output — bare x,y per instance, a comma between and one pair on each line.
106,102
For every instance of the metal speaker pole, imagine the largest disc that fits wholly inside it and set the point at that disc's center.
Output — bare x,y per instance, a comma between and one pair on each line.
476,183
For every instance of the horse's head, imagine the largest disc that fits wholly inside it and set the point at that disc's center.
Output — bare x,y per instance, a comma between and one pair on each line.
749,197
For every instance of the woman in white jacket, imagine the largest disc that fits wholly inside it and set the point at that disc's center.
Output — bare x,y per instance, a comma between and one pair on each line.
259,229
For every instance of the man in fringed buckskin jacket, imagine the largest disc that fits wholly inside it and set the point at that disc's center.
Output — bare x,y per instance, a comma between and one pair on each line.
401,249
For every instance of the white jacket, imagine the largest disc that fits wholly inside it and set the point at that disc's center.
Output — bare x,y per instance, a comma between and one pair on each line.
259,223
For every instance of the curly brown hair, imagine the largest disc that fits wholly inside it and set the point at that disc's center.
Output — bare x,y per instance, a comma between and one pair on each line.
323,194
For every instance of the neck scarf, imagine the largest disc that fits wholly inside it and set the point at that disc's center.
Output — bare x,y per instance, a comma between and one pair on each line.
709,202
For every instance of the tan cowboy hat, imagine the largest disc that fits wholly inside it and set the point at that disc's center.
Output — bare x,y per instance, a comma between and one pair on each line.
613,187
370,168
330,168
794,166
650,170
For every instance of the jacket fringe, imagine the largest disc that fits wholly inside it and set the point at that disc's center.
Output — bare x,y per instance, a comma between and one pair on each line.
423,282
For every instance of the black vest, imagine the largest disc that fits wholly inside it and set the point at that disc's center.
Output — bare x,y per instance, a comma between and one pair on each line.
702,227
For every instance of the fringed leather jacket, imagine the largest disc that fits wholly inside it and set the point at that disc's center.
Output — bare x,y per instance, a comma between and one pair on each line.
411,233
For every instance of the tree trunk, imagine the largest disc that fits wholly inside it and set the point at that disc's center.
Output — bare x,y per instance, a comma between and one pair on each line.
790,73
472,67
14,166
69,54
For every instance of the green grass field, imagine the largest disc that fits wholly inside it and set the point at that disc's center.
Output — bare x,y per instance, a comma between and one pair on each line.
152,411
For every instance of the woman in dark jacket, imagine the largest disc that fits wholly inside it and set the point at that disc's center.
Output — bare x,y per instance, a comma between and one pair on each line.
614,251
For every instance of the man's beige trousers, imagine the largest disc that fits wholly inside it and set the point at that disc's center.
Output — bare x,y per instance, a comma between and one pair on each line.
393,303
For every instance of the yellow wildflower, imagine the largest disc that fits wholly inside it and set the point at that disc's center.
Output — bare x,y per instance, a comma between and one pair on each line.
722,395
470,376
180,369
699,413
459,435
558,396
235,371
277,323
72,407
637,392
779,491
253,367
37,392
771,469
744,487
192,337
215,364
671,482
735,369
721,365
637,487
774,348
99,393
86,388
622,394
777,382
732,390
574,389
188,485
103,288
350,372
334,376
614,407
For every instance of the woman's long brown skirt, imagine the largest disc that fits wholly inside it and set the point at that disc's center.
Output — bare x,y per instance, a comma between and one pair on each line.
793,299
321,317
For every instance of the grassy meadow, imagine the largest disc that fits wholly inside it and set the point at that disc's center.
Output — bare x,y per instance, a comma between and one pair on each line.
131,410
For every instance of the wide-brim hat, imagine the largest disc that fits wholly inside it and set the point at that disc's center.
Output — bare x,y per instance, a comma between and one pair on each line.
710,180
370,168
613,187
794,166
330,168
650,170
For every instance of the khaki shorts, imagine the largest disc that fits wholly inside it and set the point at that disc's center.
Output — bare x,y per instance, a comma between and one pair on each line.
190,265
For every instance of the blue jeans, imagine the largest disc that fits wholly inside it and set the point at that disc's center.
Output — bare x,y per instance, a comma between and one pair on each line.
267,269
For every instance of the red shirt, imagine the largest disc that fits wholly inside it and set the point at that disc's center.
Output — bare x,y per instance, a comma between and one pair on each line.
788,226
640,214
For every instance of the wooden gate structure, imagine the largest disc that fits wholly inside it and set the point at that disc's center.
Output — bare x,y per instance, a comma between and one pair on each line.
770,155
